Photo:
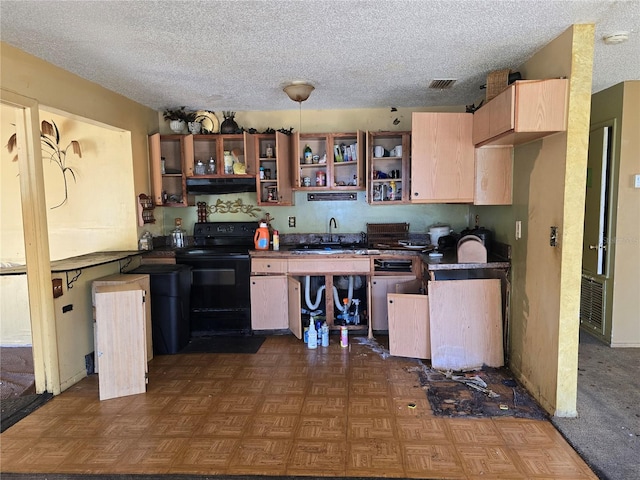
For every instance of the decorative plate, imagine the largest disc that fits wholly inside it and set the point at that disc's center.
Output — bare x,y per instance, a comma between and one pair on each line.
209,121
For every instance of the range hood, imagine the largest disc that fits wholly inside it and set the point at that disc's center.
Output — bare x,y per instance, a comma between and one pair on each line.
220,185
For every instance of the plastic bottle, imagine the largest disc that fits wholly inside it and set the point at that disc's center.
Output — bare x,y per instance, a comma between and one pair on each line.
313,335
344,337
261,238
308,154
269,151
177,235
276,240
228,163
325,335
392,190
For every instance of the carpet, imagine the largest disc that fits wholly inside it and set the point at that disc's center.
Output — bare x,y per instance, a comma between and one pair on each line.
489,392
16,372
224,344
15,409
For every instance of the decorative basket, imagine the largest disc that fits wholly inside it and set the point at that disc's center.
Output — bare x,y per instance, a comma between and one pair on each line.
497,82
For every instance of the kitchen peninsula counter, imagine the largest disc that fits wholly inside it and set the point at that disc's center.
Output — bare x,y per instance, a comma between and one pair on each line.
76,263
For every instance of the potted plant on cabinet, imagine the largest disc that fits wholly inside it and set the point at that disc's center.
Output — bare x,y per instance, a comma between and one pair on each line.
177,118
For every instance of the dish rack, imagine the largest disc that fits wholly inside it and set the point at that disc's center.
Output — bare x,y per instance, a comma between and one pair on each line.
386,233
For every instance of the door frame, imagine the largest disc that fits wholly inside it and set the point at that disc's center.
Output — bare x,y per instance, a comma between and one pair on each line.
36,239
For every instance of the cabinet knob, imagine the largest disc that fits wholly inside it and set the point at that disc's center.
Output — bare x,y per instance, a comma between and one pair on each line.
390,301
415,194
268,266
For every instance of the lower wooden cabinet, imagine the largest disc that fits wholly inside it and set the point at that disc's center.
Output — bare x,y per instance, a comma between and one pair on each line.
409,325
380,286
466,324
120,343
269,302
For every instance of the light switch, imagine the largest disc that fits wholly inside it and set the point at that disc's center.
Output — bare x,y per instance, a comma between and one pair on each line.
636,183
518,229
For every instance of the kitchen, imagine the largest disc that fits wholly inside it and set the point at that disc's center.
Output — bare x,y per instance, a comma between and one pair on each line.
351,216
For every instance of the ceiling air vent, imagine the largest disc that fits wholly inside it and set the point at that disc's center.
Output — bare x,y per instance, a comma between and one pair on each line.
441,84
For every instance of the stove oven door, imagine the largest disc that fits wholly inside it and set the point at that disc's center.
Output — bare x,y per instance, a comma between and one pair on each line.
220,299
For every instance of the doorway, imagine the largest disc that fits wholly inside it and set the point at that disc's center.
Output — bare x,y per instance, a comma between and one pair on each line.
597,274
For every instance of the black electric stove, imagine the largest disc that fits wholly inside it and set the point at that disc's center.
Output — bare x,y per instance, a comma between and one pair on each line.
220,272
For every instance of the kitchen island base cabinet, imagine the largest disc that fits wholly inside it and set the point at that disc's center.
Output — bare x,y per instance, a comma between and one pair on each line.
466,324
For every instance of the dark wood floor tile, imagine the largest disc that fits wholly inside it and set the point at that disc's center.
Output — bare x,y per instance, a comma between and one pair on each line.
273,426
326,428
425,430
326,406
432,460
490,460
370,406
317,458
260,456
377,426
223,424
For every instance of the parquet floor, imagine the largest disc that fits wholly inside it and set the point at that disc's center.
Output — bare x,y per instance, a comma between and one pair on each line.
286,410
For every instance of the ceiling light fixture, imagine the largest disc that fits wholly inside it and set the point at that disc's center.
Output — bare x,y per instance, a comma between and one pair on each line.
298,91
615,38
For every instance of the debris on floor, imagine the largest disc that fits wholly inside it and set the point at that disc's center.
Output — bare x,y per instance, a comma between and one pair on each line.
374,345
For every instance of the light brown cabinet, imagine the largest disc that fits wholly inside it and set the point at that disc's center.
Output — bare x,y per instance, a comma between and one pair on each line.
442,158
120,345
168,157
494,175
409,322
337,161
465,323
380,287
206,147
271,153
268,310
391,166
525,111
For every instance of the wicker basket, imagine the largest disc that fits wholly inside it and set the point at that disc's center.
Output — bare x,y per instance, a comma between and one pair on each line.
497,82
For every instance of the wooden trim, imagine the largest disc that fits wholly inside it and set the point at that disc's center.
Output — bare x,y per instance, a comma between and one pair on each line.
36,235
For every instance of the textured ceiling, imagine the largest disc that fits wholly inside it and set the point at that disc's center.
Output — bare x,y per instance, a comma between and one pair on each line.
237,55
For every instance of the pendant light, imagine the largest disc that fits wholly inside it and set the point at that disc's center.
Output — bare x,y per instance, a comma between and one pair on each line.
298,92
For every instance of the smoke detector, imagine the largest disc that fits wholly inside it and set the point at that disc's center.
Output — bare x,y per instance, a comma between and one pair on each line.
615,38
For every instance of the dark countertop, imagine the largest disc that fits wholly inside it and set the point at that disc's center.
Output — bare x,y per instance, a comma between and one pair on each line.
76,263
449,261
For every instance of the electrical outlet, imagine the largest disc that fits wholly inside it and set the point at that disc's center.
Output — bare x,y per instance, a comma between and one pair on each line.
292,222
518,229
67,308
57,287
553,237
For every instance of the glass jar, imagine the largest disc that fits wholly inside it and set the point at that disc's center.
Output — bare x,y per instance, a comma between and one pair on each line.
199,169
177,235
211,167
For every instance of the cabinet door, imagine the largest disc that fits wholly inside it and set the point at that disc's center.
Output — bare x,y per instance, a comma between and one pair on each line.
169,185
409,326
121,352
269,307
466,324
380,286
442,158
494,176
295,320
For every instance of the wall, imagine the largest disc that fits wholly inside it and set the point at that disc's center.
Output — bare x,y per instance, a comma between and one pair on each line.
549,176
90,109
622,103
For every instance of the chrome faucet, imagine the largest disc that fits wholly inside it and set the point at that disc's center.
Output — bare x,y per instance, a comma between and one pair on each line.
332,221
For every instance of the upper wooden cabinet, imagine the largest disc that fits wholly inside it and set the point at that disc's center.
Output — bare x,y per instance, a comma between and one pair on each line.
525,111
337,161
271,153
494,176
442,158
391,165
169,156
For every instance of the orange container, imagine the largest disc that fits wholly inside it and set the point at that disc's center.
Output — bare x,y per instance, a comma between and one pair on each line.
261,238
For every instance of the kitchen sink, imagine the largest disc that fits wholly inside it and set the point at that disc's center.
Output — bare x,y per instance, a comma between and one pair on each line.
333,247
